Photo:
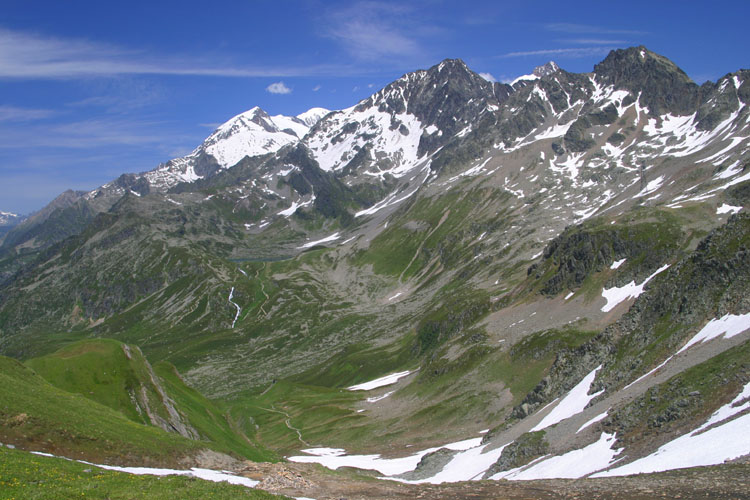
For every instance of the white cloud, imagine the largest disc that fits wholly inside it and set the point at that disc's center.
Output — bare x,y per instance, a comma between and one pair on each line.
371,30
595,41
586,28
316,88
488,77
278,88
15,114
567,52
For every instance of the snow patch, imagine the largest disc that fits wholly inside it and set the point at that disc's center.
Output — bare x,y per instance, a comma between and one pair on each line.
615,295
714,446
594,420
616,264
231,294
727,326
375,399
332,237
727,209
379,382
574,402
572,465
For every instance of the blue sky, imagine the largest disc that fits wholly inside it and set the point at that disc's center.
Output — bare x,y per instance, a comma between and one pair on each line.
93,89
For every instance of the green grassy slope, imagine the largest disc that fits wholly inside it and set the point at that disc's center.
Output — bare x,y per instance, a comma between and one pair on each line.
36,415
109,372
31,477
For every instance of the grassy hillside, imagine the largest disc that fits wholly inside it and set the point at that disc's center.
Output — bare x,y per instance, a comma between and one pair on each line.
30,477
38,416
118,376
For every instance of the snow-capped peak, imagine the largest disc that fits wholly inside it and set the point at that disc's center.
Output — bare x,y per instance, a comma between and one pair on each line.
546,69
251,133
313,115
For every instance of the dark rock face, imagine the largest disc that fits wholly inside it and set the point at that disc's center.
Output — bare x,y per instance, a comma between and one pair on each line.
448,95
133,183
523,450
721,99
581,251
665,88
710,282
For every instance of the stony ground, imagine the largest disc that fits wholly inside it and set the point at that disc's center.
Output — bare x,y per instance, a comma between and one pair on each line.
730,481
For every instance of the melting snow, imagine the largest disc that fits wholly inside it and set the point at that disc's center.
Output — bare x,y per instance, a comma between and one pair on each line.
616,295
616,264
574,464
714,446
231,294
574,402
379,382
295,205
594,420
375,399
727,209
333,237
468,465
651,186
333,458
728,325
206,474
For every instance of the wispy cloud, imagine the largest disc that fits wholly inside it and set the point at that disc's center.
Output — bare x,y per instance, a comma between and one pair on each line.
587,28
278,88
16,114
32,56
488,77
566,52
91,133
316,88
594,41
371,30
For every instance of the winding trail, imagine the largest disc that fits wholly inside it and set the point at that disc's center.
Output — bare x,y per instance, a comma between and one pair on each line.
262,290
287,422
419,249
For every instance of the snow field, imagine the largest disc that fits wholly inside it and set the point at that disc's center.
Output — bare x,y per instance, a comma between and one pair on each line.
206,474
573,403
615,295
379,382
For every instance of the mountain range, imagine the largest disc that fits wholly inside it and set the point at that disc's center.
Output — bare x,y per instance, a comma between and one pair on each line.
556,268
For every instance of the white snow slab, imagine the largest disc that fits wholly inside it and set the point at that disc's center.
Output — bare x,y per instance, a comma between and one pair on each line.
727,209
206,474
615,295
379,382
616,264
714,446
736,406
465,466
594,420
375,399
574,402
386,466
572,465
333,458
728,325
333,237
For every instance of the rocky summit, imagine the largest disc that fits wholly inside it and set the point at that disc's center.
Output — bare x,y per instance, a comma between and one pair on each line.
452,280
